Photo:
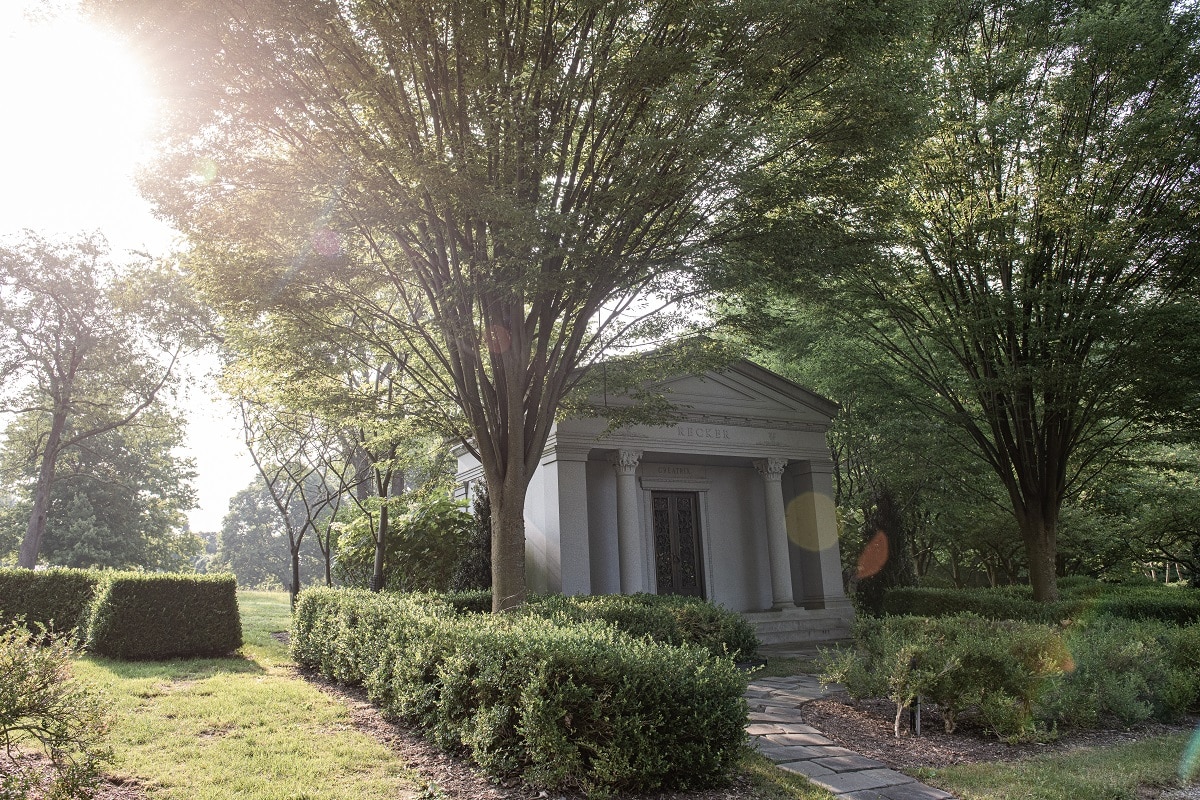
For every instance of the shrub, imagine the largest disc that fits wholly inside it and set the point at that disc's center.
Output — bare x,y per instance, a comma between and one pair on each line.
1132,670
669,619
1022,678
1080,598
42,705
998,668
56,599
136,616
565,706
422,550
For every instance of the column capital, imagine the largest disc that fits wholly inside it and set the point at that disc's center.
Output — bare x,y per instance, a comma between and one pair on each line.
771,468
626,461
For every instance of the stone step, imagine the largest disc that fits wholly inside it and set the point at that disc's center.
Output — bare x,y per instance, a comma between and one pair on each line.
800,625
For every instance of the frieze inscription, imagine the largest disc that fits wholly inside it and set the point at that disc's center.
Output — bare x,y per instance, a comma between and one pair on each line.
701,432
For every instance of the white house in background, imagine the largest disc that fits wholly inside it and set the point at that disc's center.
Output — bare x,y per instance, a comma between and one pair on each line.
732,503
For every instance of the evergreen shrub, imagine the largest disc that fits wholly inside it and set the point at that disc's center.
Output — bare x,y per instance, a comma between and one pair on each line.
56,599
567,706
157,616
1079,599
669,619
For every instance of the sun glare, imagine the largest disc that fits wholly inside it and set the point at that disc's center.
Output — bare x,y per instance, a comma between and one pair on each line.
78,114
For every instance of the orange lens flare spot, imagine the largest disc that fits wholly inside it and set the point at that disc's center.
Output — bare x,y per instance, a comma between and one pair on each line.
874,556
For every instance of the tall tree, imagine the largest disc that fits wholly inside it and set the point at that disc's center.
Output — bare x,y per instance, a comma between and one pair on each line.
119,498
498,183
1037,238
82,346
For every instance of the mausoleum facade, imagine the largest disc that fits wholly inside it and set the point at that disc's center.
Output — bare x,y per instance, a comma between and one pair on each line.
732,503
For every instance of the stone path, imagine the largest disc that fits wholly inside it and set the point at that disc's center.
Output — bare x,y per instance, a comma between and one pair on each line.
779,734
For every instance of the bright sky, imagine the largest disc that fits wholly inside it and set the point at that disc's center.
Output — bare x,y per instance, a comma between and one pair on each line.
77,119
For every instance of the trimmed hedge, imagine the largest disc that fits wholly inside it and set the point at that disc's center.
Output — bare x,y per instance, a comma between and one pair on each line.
55,598
565,706
158,616
1176,605
669,619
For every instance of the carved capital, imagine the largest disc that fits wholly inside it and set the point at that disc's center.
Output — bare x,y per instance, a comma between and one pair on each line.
771,468
626,461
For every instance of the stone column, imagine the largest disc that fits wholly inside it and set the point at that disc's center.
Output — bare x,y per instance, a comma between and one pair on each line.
771,470
629,524
815,516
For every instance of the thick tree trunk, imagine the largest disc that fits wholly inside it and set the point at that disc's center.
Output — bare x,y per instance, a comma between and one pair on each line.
32,543
1041,547
508,541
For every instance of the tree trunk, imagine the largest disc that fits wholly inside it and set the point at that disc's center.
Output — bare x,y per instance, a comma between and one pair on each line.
508,541
32,543
295,590
1041,547
380,540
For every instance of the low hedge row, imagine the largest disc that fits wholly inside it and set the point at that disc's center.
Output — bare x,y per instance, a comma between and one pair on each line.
128,615
567,707
1025,678
669,619
57,599
1176,605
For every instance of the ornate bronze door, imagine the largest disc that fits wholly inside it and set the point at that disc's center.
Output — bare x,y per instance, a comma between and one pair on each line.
677,561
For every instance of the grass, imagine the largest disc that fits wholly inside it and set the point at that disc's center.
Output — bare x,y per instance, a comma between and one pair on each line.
208,729
1110,773
786,667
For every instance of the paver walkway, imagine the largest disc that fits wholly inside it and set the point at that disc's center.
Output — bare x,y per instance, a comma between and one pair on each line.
780,735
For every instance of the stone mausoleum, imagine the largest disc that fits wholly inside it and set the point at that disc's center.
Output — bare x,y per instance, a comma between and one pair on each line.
732,503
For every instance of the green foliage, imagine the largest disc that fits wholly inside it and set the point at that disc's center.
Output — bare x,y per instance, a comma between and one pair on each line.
474,570
56,599
427,534
136,617
1131,670
959,663
578,706
669,619
86,349
1024,679
253,544
1081,598
44,707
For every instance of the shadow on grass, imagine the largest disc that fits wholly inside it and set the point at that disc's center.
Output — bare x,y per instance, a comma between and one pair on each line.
178,669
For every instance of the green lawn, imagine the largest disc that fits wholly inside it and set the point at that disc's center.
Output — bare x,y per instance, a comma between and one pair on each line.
241,727
1105,773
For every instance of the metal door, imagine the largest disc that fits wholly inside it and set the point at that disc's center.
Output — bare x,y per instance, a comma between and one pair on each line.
677,561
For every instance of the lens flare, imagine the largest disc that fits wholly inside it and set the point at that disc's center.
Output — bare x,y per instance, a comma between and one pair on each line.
1189,765
874,556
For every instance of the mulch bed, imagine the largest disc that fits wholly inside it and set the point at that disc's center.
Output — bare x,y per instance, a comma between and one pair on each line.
866,726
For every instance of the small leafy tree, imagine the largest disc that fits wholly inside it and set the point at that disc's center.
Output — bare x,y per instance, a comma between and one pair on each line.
42,705
422,551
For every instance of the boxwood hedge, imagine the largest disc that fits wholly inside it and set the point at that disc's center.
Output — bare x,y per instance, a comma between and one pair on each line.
567,706
57,599
669,619
1079,599
138,616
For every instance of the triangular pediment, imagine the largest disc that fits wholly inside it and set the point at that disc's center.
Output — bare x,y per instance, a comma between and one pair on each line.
743,390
